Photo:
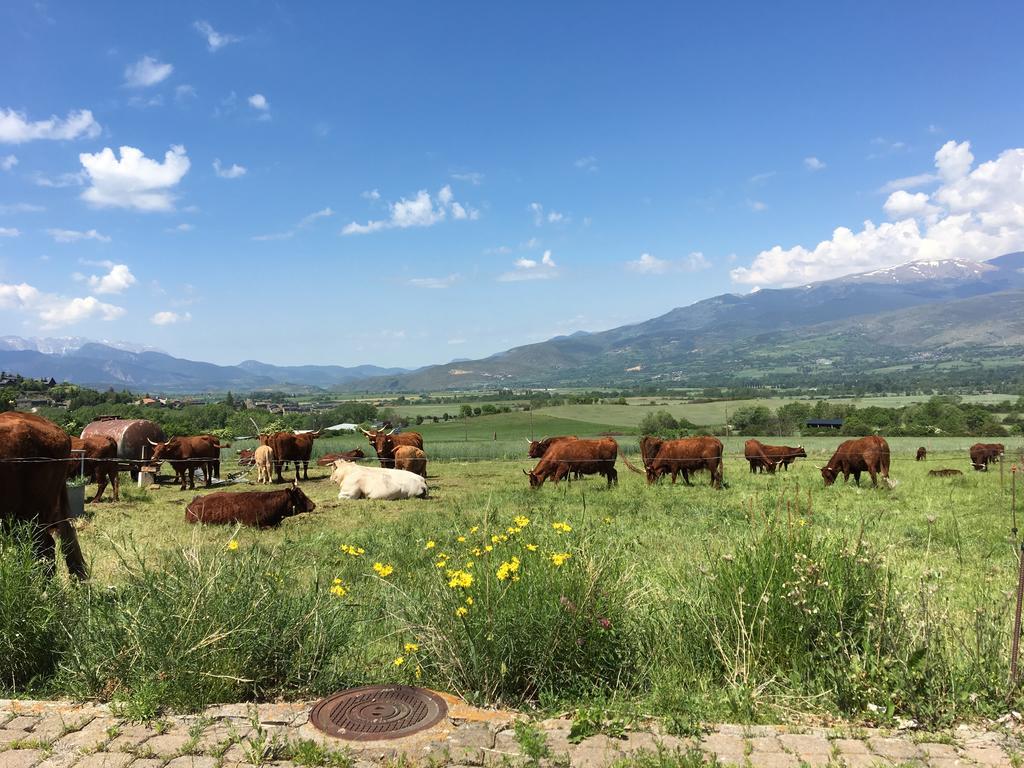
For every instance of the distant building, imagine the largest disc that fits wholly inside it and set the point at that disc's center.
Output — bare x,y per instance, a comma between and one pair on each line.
824,423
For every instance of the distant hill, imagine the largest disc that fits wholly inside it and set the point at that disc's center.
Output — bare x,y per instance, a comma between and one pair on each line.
854,324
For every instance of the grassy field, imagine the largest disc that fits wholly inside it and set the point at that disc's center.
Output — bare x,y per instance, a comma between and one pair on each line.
774,598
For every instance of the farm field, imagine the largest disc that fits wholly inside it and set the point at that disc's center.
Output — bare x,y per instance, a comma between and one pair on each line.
623,606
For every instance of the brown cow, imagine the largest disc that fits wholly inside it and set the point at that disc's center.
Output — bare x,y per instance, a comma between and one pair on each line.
258,509
866,454
784,454
35,492
760,461
328,459
411,459
290,447
384,443
685,455
944,473
587,457
983,454
538,448
922,454
247,458
187,453
100,465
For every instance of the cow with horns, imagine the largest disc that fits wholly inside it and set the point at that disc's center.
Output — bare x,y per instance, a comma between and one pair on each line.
682,456
186,453
584,457
385,443
852,457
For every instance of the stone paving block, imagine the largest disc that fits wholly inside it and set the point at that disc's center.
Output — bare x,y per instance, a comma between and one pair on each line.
851,746
805,743
217,735
147,762
896,749
935,750
129,736
279,714
105,760
90,737
814,759
723,744
865,761
596,752
773,760
991,757
21,758
21,723
948,762
196,761
167,744
765,743
8,737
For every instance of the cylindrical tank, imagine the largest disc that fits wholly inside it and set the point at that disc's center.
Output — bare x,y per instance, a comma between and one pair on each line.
131,435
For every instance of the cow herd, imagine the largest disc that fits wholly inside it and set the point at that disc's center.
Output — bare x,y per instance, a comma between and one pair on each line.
36,460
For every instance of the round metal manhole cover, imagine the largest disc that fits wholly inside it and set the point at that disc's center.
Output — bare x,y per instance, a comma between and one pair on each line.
377,712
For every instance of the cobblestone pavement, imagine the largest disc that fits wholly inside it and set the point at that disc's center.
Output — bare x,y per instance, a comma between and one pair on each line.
64,735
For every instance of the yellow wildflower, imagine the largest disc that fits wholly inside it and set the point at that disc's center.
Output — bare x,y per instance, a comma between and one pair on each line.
495,539
399,661
431,544
607,519
488,548
513,530
559,558
461,610
411,647
509,569
468,565
521,520
441,564
383,570
562,527
469,600
457,579
419,672
531,547
338,589
348,549
233,545
477,551
474,529
461,539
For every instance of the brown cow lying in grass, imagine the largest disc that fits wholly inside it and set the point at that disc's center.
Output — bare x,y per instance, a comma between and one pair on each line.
258,509
328,459
944,473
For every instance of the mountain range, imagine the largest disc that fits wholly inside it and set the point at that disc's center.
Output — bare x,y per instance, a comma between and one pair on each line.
932,314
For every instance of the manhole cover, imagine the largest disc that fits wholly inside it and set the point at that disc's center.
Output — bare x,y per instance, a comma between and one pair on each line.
378,712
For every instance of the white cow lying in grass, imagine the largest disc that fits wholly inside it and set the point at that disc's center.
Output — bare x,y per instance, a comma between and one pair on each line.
376,483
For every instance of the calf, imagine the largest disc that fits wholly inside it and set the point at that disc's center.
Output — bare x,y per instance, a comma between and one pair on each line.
358,482
263,457
385,443
257,509
922,454
411,459
587,457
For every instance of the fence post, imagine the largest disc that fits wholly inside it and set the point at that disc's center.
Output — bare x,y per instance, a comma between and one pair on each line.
1013,499
1015,649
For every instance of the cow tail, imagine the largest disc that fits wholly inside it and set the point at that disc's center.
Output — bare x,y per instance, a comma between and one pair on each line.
630,465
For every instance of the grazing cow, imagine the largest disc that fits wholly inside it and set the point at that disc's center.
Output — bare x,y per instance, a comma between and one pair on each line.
385,443
411,459
186,453
685,455
538,448
358,482
784,454
983,454
263,457
35,492
257,509
944,473
866,454
586,457
760,461
100,462
328,459
246,458
922,454
289,447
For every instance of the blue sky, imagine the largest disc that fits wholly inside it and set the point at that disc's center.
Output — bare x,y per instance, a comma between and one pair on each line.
404,184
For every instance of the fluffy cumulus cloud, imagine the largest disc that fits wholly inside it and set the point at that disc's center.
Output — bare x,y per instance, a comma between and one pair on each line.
652,265
16,128
232,172
214,40
421,210
813,164
169,318
259,102
10,232
7,162
117,280
134,180
145,72
976,212
54,311
531,269
74,235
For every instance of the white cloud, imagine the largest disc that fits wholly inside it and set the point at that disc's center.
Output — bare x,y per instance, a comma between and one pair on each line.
695,262
214,40
976,213
324,213
234,172
117,280
651,265
456,341
183,227
418,211
73,236
10,232
145,72
145,102
760,178
134,181
15,128
304,222
169,318
588,163
55,311
551,217
75,179
434,282
813,164
184,92
371,194
909,182
21,208
757,206
7,162
274,236
259,102
472,177
531,269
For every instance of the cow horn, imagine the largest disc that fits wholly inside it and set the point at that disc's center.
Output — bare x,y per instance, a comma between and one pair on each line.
817,467
391,431
526,473
365,432
151,442
529,441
